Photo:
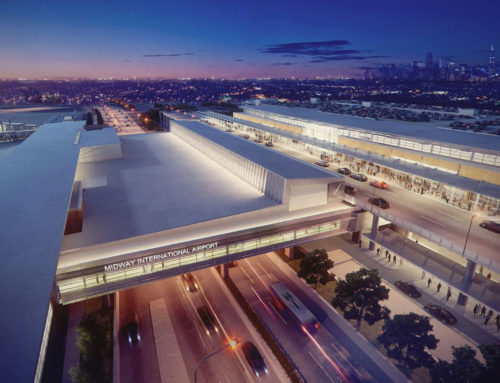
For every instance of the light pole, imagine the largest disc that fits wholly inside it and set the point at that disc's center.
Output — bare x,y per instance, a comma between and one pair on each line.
469,270
231,343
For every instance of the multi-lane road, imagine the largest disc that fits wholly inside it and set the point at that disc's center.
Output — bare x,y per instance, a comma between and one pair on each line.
139,362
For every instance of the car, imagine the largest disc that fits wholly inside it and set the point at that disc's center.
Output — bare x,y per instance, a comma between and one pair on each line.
324,164
491,225
380,184
189,282
380,202
232,264
245,136
440,313
269,143
208,319
259,140
229,130
408,289
350,190
254,359
359,177
132,329
344,171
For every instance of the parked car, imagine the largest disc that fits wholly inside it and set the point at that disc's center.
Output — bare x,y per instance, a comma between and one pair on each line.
491,225
259,140
269,143
359,177
324,164
254,359
344,171
245,136
380,202
132,329
350,190
379,184
440,313
229,130
208,319
189,282
408,289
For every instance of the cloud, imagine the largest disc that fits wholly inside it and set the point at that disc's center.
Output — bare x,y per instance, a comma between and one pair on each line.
283,64
169,54
323,59
320,51
239,60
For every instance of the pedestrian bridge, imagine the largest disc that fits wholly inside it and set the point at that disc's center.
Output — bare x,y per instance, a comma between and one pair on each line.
100,276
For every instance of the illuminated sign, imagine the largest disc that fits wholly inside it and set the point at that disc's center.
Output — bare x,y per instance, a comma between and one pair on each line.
158,257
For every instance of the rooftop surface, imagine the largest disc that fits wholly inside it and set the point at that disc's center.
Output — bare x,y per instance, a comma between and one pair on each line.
160,183
279,163
35,189
434,131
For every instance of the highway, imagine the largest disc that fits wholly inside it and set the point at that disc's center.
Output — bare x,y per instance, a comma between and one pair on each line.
324,359
138,363
122,120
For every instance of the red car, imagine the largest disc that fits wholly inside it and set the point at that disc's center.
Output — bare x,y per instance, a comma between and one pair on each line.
491,225
379,184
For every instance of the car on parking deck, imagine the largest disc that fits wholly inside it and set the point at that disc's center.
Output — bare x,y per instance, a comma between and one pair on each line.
380,202
254,359
208,319
229,130
324,164
491,225
408,289
132,329
269,143
440,313
350,190
344,171
359,177
259,140
380,184
189,282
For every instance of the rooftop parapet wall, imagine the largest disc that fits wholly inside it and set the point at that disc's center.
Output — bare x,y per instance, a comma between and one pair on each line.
265,181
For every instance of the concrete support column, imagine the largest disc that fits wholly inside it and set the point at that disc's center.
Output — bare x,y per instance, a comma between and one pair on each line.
225,271
468,276
288,252
356,235
374,231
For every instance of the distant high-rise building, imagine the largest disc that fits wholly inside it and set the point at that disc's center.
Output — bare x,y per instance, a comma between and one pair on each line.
491,62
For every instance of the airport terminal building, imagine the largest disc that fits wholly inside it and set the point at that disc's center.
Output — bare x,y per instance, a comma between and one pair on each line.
87,213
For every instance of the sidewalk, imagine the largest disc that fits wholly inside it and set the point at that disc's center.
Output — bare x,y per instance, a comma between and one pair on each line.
417,264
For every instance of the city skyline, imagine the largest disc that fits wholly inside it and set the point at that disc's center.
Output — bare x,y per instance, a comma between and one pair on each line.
202,40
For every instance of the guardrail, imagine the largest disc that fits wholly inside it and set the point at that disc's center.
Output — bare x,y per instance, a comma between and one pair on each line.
433,237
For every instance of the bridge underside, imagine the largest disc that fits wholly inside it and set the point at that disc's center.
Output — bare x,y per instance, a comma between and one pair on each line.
140,268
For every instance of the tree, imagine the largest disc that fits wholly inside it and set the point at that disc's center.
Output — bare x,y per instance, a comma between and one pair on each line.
406,336
465,368
314,267
96,350
359,296
100,120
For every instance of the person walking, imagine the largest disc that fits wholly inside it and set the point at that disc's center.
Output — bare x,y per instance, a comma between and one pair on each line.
378,251
490,313
386,253
497,318
498,326
429,281
439,287
483,311
475,309
389,258
448,294
423,274
394,259
486,320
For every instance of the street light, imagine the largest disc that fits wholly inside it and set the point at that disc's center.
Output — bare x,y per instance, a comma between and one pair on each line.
468,232
462,298
232,343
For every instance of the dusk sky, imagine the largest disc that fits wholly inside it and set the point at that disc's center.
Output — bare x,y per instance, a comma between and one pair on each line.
233,39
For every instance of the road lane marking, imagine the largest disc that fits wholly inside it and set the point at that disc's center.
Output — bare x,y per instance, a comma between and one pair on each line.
347,360
450,215
322,369
264,270
431,220
248,275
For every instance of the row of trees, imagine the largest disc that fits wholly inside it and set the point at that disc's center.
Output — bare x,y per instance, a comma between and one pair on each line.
406,337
